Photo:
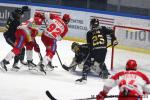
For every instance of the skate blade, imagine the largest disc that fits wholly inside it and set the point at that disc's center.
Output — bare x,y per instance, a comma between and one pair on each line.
80,83
33,68
36,71
14,69
49,69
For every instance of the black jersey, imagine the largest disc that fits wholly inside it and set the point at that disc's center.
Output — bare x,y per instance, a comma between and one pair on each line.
82,53
97,38
13,22
11,26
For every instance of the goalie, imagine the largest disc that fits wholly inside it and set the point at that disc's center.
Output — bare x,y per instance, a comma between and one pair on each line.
97,44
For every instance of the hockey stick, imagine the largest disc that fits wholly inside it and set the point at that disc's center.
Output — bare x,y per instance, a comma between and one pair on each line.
68,68
62,65
50,95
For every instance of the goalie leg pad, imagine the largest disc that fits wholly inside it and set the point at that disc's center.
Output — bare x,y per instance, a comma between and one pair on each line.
104,71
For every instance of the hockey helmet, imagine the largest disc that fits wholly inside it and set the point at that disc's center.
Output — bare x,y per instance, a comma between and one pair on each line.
66,18
131,65
38,18
75,47
25,8
94,23
17,13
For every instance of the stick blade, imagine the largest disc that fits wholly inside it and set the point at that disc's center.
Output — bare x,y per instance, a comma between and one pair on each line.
50,95
65,67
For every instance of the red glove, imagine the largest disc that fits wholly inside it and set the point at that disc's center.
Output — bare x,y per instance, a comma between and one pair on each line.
36,48
101,95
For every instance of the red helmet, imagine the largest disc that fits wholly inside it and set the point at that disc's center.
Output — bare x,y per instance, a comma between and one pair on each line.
38,18
131,65
66,18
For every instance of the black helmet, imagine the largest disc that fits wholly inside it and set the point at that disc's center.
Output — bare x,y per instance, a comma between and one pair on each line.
25,8
75,47
94,23
19,11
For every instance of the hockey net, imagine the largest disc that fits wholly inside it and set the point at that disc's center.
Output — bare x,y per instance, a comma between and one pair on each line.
134,43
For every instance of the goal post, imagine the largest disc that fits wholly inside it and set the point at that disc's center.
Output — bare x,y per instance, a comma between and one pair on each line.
131,39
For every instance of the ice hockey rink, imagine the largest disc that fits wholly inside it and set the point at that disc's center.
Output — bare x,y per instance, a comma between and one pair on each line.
26,85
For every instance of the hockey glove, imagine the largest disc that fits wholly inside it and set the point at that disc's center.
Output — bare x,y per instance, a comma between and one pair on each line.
101,95
115,42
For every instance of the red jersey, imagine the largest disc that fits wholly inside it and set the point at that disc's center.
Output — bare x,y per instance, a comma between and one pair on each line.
135,82
57,29
29,28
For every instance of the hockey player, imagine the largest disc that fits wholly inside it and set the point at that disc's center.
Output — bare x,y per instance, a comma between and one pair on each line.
54,32
25,33
97,43
12,23
81,51
132,84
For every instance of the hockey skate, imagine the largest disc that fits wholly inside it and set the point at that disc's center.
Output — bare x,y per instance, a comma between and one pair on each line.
15,67
3,65
50,67
82,80
41,68
31,65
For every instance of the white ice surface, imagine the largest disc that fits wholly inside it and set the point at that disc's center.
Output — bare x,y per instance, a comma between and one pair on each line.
24,85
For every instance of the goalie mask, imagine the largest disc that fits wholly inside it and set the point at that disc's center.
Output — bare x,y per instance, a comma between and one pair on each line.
131,65
94,23
75,47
